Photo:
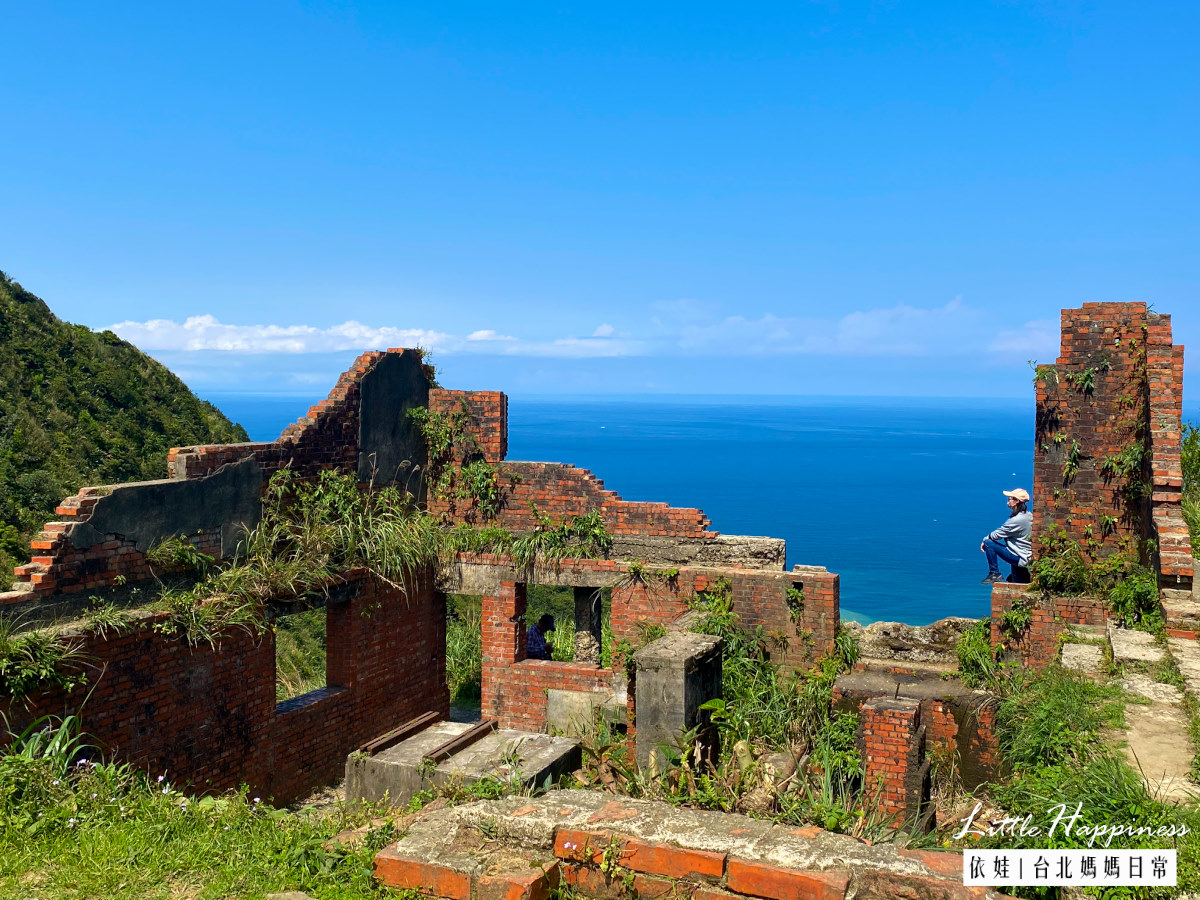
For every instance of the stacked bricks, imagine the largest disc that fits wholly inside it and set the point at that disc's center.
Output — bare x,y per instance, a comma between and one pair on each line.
563,490
558,490
207,715
1051,617
892,744
513,686
800,633
1107,344
602,862
488,411
962,725
326,438
1164,371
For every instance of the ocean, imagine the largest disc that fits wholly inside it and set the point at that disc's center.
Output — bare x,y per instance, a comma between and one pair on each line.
893,494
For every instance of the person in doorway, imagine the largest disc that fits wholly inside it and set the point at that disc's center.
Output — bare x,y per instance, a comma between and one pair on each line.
536,646
1011,541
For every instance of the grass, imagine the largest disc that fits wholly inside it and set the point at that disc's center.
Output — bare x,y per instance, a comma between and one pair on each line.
71,829
299,653
1052,730
464,649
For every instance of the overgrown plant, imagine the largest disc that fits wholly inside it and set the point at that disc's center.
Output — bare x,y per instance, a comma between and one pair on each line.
311,533
36,660
455,467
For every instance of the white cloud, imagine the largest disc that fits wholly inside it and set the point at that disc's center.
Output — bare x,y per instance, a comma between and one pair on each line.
207,333
1038,339
487,334
603,331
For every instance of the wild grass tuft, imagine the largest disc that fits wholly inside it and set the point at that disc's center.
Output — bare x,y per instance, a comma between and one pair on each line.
72,825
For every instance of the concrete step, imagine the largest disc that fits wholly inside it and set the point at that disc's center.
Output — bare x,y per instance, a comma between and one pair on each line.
1085,658
910,668
401,771
1131,646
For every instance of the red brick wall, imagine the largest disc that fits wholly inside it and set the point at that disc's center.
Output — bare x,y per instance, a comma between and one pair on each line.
208,715
890,741
327,438
563,490
1051,616
1165,374
1138,384
489,417
513,686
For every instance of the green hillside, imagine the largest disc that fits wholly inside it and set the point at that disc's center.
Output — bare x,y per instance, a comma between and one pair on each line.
77,408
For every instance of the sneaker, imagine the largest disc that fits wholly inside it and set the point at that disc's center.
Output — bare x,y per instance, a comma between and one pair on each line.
992,578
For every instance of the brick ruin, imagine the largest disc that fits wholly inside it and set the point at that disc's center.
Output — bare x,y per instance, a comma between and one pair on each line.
1106,472
208,715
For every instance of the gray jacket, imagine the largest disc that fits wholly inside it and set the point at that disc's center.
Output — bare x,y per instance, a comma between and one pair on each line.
1016,533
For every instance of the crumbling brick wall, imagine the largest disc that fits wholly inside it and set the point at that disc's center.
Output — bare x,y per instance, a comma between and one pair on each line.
207,715
514,687
1116,386
891,742
326,439
1038,644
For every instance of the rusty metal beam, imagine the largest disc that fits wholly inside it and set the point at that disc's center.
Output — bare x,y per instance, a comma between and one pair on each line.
475,733
403,733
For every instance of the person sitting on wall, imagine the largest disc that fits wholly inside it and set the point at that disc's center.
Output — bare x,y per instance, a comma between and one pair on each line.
536,646
1011,541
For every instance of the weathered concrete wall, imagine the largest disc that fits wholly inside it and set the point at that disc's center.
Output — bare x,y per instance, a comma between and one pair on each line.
207,715
676,675
390,447
103,533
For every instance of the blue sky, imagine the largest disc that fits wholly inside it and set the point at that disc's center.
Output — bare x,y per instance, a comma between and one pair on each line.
874,198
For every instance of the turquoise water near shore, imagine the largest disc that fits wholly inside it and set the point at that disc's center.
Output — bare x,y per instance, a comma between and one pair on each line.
893,494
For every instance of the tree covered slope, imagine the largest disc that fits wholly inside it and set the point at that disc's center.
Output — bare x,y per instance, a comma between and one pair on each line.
78,407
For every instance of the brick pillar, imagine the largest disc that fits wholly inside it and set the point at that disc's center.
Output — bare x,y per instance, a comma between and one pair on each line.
587,625
892,742
503,641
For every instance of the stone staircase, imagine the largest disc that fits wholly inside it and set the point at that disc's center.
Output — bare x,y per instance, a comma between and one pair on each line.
1157,740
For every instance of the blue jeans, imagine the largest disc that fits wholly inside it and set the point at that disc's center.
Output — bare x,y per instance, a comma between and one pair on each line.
995,550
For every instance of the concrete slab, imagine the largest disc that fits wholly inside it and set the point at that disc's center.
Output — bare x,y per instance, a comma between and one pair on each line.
1158,745
1131,646
399,772
1086,658
534,824
1187,657
573,713
1147,687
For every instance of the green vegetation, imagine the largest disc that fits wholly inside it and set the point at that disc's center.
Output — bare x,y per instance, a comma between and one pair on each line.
978,662
75,826
1190,455
310,534
1064,567
455,469
33,661
81,408
464,649
763,711
1051,730
299,653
